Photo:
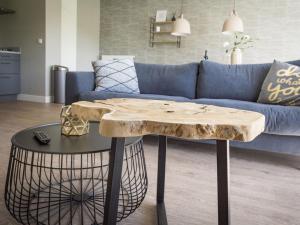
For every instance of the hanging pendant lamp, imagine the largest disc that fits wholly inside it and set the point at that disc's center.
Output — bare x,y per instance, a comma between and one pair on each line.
181,26
233,23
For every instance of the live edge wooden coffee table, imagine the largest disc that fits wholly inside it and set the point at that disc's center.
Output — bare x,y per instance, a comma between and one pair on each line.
120,118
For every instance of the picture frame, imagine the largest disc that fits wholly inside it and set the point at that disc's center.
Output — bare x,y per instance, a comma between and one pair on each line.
161,16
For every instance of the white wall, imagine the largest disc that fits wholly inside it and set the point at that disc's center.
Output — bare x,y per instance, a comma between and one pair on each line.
88,33
53,40
69,33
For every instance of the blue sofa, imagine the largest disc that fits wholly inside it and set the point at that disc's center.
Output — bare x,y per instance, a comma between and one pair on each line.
235,86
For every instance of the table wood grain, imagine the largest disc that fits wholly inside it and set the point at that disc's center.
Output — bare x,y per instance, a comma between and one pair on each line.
137,117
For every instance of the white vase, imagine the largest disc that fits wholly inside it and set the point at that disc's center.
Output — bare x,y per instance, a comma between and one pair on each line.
236,56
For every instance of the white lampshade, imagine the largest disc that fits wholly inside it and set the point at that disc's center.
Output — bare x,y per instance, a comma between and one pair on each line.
181,27
233,24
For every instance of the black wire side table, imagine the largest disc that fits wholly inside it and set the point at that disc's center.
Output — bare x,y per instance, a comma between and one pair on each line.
65,182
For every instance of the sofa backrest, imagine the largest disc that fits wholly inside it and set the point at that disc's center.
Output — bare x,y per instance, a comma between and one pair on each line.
78,82
173,80
239,82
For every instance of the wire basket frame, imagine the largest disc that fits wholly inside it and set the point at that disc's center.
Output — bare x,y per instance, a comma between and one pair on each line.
51,188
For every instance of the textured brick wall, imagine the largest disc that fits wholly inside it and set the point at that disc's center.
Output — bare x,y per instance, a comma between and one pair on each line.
125,29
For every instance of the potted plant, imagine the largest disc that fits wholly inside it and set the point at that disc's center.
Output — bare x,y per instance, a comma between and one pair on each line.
240,42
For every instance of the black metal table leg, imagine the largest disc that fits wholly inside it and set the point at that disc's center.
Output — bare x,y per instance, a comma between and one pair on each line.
113,183
161,210
223,158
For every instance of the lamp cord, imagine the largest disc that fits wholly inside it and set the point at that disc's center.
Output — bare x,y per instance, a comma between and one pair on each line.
181,7
233,6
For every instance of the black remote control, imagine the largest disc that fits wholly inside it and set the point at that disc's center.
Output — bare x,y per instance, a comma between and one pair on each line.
41,137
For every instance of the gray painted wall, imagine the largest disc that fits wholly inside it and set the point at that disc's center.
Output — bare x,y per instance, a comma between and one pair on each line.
22,30
125,29
43,19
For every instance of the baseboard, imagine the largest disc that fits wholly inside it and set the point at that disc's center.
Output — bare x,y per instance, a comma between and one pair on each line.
35,98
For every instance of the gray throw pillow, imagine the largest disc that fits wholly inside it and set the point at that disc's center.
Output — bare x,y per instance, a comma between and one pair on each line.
282,85
116,76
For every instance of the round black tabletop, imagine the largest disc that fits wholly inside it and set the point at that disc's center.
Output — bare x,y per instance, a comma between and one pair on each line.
61,144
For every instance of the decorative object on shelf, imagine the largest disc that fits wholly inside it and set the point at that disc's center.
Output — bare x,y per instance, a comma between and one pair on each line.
233,23
181,25
161,16
174,16
205,55
163,34
240,42
72,125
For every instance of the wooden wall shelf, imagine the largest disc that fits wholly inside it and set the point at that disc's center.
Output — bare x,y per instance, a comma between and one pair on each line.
162,32
164,42
4,11
164,36
161,23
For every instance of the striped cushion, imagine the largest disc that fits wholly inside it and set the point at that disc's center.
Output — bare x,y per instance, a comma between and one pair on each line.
116,76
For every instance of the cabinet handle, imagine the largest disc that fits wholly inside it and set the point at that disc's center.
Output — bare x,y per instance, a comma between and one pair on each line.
5,63
5,77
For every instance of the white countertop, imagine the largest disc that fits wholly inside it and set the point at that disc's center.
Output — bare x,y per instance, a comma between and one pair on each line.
10,52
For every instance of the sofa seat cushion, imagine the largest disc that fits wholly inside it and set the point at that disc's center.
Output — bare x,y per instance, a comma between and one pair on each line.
281,120
101,95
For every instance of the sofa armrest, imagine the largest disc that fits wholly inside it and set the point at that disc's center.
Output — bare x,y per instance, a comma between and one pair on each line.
78,82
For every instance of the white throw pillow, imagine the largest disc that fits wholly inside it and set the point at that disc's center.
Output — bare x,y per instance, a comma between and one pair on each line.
116,76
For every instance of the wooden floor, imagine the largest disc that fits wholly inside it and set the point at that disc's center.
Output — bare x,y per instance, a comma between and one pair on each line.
265,186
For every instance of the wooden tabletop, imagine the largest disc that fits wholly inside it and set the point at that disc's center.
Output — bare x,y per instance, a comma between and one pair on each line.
137,117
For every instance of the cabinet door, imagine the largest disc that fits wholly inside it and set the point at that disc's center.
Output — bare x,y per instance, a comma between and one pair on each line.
9,66
9,56
9,84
